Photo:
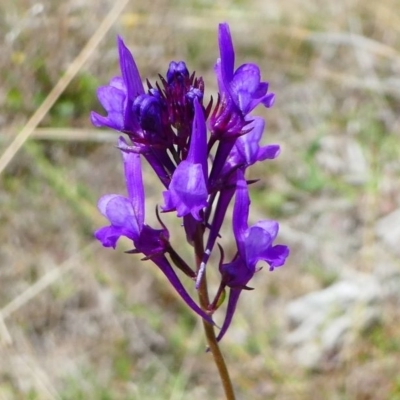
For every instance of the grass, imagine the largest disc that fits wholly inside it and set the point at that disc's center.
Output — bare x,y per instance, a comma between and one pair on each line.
103,325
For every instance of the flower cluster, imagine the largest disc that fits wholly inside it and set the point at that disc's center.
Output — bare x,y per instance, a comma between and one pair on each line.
200,153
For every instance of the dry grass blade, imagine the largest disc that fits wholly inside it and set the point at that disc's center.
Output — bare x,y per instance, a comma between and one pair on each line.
5,337
74,135
64,81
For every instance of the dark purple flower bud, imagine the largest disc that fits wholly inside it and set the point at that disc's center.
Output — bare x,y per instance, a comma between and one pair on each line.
177,71
187,192
194,93
148,112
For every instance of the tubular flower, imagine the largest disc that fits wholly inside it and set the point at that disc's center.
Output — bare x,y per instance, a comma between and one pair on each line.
117,98
242,86
254,243
240,91
187,191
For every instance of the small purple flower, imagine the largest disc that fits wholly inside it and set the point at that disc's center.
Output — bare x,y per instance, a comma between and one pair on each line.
243,86
254,243
187,192
240,91
127,215
148,112
247,150
117,98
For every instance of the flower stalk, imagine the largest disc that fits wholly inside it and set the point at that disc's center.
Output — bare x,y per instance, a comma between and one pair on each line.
209,328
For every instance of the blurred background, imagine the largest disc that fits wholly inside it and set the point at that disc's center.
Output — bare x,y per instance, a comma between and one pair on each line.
78,321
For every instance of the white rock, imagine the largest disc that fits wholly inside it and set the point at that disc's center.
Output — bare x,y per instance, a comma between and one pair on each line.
388,229
322,321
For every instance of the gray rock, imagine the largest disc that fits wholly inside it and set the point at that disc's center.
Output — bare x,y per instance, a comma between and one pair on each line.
323,322
388,230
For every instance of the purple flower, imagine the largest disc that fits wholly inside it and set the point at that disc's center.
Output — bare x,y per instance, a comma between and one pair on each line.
254,243
187,192
247,150
117,98
127,215
243,86
240,91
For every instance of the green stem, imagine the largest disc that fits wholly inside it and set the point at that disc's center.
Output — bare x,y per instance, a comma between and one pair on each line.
208,328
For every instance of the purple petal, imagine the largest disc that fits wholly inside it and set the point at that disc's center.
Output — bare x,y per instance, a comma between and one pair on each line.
103,202
232,302
227,52
276,256
198,142
268,100
241,212
134,182
218,72
118,83
244,84
133,83
247,78
247,146
187,191
120,213
270,226
257,241
247,150
259,245
109,235
261,90
112,99
268,152
221,158
130,72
